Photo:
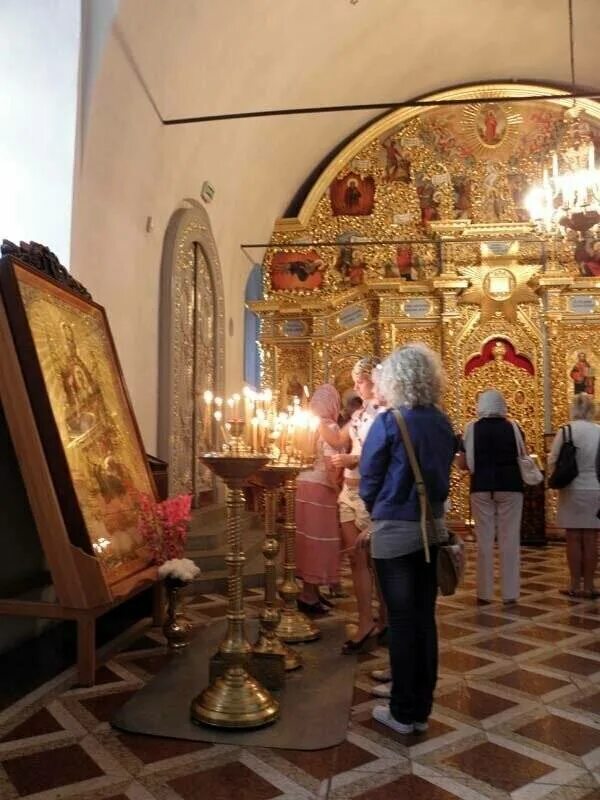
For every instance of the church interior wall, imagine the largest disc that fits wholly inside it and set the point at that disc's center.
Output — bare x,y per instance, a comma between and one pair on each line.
133,168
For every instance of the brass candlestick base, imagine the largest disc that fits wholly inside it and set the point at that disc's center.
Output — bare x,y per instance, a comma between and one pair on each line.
271,478
294,626
234,700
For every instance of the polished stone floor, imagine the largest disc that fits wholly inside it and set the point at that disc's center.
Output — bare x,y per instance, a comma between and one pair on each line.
517,715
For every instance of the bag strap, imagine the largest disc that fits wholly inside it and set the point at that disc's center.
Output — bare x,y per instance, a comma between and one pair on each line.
598,462
420,484
519,440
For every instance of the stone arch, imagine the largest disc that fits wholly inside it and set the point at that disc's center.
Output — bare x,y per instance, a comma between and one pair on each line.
191,347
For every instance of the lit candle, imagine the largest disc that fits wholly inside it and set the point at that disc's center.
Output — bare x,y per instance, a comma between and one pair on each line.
268,398
230,406
236,407
254,426
218,415
208,398
591,158
554,165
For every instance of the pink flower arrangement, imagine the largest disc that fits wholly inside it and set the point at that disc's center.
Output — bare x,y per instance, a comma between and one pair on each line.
164,526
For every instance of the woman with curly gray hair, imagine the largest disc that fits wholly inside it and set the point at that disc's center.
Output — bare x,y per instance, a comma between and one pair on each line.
411,382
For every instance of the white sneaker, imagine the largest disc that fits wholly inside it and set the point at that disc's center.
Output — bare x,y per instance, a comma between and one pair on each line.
382,714
382,690
421,727
384,675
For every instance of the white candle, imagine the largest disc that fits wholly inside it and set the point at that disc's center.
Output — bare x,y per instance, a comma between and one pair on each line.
254,426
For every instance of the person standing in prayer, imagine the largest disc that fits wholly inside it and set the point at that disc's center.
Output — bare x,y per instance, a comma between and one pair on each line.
410,380
579,502
317,522
354,517
490,454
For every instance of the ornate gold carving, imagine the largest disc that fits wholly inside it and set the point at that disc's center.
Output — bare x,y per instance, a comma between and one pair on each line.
192,345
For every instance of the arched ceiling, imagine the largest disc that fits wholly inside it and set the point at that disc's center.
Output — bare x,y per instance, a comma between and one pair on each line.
205,57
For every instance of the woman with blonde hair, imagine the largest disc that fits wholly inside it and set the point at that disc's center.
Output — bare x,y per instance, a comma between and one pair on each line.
354,517
579,502
410,380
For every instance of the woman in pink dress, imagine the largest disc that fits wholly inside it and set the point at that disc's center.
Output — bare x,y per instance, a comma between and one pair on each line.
317,520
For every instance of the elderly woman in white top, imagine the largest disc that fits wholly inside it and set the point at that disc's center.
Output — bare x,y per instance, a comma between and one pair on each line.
578,503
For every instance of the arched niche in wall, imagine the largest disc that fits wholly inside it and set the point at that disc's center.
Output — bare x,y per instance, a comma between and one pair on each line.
191,347
254,291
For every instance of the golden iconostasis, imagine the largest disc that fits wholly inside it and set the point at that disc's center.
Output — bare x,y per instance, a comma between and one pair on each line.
419,230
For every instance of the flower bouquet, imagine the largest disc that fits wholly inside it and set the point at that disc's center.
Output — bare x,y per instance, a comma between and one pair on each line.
164,527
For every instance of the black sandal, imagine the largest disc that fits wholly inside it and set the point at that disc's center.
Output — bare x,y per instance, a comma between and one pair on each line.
312,609
364,645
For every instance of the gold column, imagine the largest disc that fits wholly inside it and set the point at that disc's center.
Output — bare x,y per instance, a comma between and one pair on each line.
294,626
235,700
271,478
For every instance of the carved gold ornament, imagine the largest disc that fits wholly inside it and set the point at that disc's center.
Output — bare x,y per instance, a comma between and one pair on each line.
499,284
490,130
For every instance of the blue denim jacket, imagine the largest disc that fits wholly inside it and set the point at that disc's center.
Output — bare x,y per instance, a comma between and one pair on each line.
387,483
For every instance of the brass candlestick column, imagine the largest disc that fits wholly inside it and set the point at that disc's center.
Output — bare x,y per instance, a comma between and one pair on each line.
271,478
235,700
294,626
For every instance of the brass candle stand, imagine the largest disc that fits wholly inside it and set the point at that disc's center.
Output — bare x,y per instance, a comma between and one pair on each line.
234,700
294,625
268,645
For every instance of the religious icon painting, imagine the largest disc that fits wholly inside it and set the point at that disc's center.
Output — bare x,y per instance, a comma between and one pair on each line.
297,270
83,415
396,161
582,371
491,129
350,264
352,195
587,255
292,382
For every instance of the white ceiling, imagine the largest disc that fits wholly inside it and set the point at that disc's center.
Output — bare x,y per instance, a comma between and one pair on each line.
205,57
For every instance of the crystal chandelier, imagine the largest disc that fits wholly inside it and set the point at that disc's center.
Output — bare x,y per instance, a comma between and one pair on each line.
569,196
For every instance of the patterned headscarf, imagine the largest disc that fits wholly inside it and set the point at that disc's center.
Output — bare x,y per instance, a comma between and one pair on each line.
325,402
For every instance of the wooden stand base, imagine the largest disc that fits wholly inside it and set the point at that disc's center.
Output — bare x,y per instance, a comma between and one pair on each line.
86,618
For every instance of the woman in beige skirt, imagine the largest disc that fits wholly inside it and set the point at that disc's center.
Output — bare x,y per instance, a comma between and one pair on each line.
579,502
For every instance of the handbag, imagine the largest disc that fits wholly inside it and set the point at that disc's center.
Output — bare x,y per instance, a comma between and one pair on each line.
450,564
565,470
529,470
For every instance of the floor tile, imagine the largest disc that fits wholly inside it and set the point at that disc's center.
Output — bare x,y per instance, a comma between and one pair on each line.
50,769
323,763
457,661
157,748
38,724
408,786
504,646
570,663
233,780
500,767
564,734
474,703
531,682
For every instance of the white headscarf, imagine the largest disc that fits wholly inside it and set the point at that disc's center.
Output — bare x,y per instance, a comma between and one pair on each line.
490,403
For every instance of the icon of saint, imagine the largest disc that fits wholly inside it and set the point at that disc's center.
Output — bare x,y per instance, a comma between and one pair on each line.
582,375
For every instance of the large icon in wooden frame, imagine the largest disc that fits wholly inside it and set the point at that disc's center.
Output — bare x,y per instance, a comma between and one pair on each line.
84,416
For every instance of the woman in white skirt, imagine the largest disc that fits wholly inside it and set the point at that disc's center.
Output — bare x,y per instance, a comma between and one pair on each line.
579,502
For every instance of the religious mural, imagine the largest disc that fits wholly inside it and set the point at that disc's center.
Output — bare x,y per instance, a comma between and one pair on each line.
299,270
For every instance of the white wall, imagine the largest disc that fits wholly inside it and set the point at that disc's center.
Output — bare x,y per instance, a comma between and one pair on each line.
202,57
39,58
